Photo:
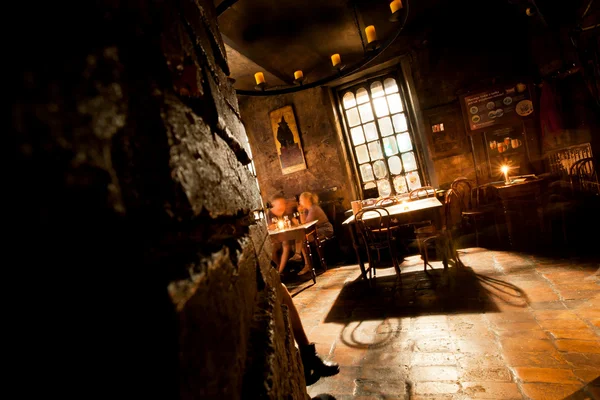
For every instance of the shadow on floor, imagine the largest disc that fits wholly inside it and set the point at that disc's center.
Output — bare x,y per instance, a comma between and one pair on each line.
453,291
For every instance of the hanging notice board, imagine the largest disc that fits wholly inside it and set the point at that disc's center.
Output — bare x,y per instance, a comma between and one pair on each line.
498,106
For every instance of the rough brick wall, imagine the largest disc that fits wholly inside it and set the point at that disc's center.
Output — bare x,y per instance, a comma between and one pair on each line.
132,199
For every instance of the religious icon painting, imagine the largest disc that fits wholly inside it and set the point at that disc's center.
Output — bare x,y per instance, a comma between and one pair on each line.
287,140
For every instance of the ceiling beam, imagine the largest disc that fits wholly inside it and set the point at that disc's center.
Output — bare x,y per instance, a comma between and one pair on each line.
288,80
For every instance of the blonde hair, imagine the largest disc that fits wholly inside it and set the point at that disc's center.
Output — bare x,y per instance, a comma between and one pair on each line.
314,199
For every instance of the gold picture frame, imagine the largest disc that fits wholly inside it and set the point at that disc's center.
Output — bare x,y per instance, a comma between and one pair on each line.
287,140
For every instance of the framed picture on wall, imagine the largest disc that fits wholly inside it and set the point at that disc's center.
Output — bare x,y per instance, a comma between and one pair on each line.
287,140
445,131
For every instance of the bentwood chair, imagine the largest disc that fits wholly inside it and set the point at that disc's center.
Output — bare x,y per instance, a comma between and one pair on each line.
584,176
443,237
476,207
373,225
421,193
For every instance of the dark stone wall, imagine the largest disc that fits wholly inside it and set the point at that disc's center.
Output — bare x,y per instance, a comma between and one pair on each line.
129,211
326,167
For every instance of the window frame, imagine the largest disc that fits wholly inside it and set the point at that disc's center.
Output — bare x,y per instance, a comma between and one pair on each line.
407,110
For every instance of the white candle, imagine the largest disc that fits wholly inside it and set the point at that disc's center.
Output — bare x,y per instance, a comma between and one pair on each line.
371,34
260,78
336,59
395,5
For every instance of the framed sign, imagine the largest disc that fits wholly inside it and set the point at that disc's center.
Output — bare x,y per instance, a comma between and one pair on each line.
445,131
287,140
501,105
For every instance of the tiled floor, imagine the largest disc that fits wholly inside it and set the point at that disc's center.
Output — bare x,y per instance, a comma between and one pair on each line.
505,326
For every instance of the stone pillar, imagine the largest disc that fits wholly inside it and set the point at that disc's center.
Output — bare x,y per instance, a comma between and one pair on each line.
132,199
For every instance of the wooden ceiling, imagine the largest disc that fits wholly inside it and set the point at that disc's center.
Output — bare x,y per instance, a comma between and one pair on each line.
279,37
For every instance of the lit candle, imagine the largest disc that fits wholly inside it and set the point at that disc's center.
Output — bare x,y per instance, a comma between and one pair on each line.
260,78
298,75
280,224
504,170
336,60
395,5
371,34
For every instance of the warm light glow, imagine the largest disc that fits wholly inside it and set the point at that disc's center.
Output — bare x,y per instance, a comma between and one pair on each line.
336,59
395,5
504,169
371,34
260,78
281,224
298,75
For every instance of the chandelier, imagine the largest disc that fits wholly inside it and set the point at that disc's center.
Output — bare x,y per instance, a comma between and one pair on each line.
374,47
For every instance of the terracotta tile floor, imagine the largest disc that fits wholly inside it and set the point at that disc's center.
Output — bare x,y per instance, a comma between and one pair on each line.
505,326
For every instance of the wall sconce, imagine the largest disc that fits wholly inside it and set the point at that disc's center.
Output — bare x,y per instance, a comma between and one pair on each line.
298,77
372,42
336,61
395,6
261,84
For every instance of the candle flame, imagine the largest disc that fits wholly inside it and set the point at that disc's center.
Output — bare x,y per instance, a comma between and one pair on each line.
504,169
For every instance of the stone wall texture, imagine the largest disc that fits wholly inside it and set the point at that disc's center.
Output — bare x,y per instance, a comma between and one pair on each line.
131,197
326,167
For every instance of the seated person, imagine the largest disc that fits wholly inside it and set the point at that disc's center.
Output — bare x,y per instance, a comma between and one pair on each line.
314,366
278,210
310,211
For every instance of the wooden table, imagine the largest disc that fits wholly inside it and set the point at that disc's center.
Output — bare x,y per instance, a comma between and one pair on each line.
520,192
304,233
404,213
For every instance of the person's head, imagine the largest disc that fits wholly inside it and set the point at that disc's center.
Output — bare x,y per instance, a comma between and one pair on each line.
279,205
307,199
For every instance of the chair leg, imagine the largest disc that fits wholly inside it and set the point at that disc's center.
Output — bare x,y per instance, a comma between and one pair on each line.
321,255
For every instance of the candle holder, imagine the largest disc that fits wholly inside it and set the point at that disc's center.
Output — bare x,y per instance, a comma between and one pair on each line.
374,45
339,67
261,87
395,17
299,81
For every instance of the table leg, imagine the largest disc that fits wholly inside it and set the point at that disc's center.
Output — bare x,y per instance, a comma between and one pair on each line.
509,224
308,258
353,235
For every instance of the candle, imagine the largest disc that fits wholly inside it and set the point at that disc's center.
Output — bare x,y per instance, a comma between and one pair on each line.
504,170
371,34
336,60
298,75
280,224
395,5
260,78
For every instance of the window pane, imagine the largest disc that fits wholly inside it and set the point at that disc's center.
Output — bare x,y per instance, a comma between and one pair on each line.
414,182
362,154
399,123
385,126
384,188
390,85
376,89
404,142
389,145
381,108
366,172
349,100
370,185
408,159
366,113
400,184
357,135
352,115
375,150
395,103
371,131
395,165
380,169
362,96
